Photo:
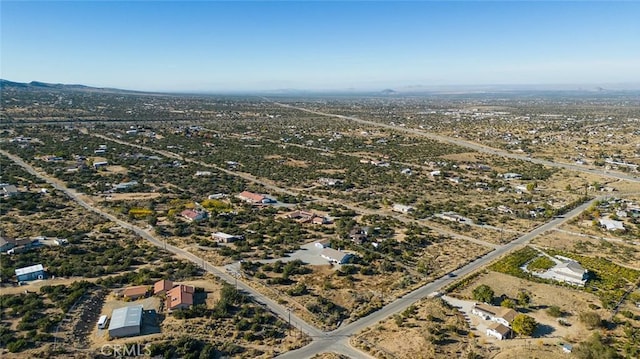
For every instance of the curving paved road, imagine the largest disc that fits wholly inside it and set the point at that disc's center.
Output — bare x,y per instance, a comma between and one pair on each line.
338,339
74,195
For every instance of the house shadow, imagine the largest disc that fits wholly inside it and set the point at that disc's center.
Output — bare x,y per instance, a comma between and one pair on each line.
150,322
543,330
199,298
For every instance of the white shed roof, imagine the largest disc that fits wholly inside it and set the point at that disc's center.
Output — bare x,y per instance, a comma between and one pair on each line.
30,269
126,317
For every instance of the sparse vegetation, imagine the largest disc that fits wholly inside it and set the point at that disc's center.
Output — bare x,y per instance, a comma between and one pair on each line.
218,147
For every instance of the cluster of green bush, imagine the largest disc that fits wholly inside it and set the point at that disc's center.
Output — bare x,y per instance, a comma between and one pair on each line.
511,264
37,318
176,269
85,257
327,311
65,296
191,348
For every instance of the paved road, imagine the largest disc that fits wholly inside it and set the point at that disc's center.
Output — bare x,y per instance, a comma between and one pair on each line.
273,306
337,340
472,145
341,335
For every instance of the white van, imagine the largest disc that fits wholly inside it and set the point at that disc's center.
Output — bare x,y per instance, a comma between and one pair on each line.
102,322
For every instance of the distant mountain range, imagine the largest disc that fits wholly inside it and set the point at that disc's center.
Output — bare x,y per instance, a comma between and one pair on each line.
37,85
400,91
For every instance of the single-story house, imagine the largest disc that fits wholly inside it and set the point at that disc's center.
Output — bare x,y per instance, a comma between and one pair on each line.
569,272
320,220
193,215
357,236
401,208
452,216
301,216
499,331
135,292
126,321
51,158
567,348
180,297
221,237
504,209
19,245
329,181
325,243
162,286
500,315
33,272
6,243
511,175
611,225
217,196
335,256
125,185
60,241
251,197
9,190
380,163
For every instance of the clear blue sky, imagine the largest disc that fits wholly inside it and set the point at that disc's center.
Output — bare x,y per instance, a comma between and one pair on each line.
237,45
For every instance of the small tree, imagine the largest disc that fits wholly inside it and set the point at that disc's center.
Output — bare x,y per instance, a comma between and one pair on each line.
591,319
524,299
508,303
483,293
595,347
524,324
554,311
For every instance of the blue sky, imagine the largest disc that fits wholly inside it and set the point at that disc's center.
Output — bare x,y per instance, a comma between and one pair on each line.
263,45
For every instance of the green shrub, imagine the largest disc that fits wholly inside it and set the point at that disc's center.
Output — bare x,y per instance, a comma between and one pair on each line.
554,311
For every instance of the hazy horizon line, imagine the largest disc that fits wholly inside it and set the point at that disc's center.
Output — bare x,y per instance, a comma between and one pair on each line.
599,86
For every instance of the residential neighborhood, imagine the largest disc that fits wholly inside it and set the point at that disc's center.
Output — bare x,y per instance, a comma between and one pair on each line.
485,226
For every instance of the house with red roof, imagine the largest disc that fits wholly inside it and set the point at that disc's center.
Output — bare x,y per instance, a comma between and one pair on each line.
162,286
135,292
193,215
180,297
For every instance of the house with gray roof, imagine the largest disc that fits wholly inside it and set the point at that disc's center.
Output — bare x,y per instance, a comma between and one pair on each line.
335,256
569,272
